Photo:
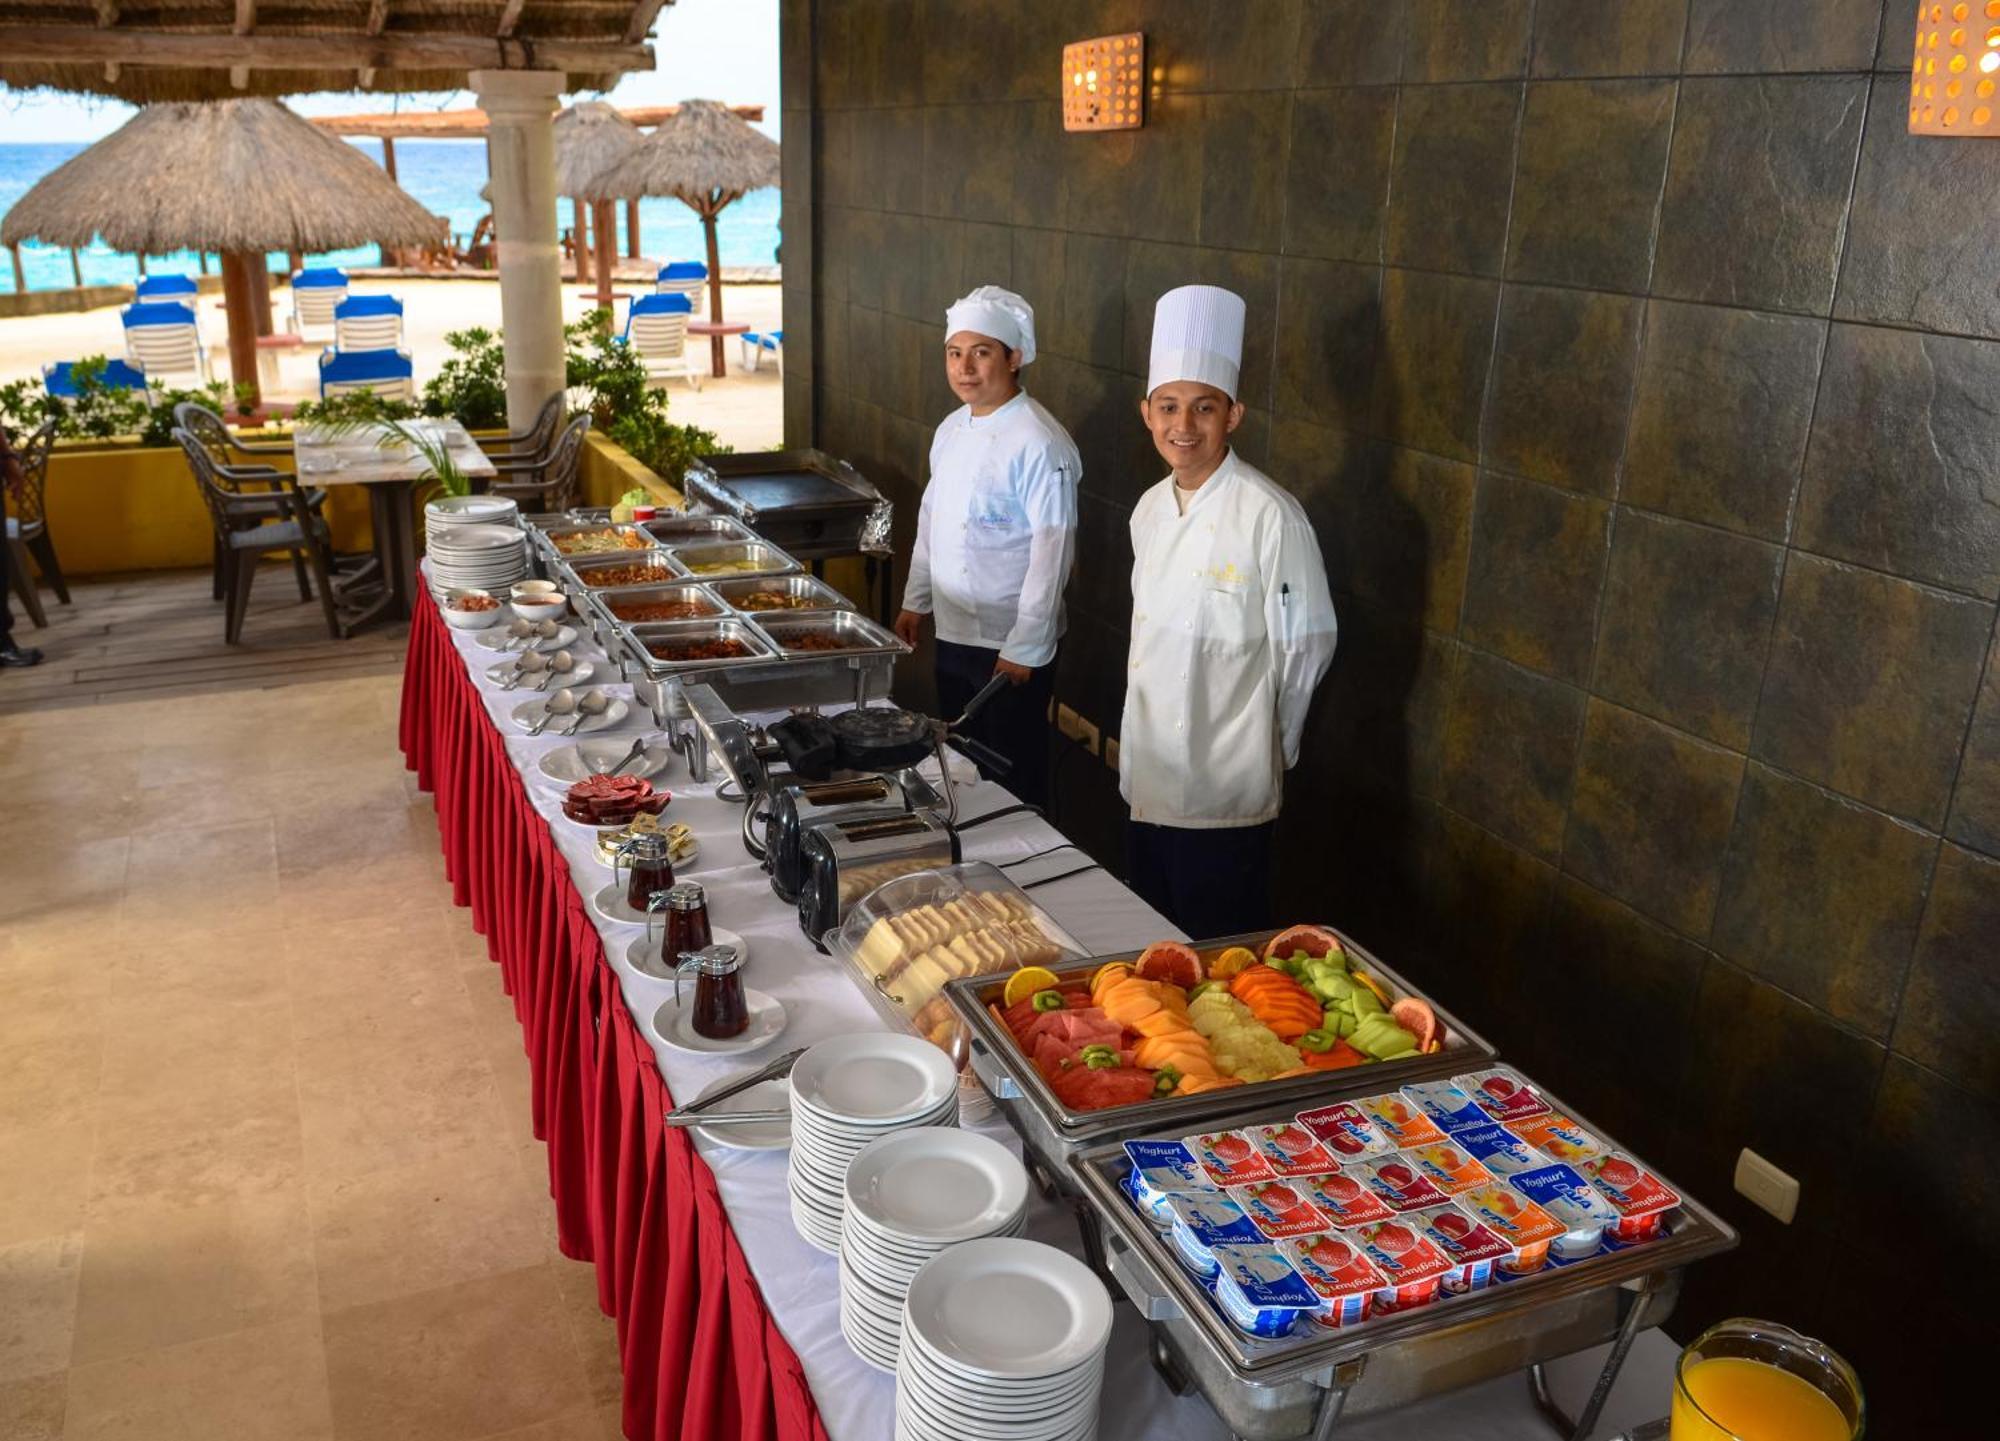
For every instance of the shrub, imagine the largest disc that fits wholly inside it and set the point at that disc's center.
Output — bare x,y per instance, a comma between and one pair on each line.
471,387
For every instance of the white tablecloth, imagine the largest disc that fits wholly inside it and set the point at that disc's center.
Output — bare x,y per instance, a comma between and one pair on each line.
801,1284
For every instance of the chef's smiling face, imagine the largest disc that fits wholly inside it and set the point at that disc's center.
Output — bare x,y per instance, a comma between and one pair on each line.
1191,423
983,372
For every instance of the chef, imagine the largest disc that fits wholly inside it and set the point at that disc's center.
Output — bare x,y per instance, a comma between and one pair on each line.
996,536
1232,628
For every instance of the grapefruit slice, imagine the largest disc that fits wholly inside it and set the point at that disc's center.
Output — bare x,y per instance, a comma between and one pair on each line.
1313,940
1418,1019
1170,961
1026,981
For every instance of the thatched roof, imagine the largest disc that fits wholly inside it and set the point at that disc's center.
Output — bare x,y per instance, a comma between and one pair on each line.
706,155
226,175
221,49
591,137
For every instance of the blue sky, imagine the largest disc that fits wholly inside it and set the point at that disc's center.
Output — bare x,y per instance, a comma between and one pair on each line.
713,49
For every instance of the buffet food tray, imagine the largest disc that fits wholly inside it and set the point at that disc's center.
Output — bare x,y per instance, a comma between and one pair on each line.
1051,1129
551,538
813,634
600,608
804,500
683,529
1300,1385
730,559
801,592
590,572
775,678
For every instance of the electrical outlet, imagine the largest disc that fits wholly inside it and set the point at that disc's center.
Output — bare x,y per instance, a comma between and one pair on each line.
1077,728
1111,753
1768,1187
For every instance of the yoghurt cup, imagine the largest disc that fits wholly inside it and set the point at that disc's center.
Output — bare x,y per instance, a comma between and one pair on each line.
1343,1278
1400,1119
1475,1248
1502,1093
1346,1132
1499,1150
1228,1158
1448,1166
1400,1181
1639,1197
1516,1220
1449,1108
1203,1222
1412,1267
1279,1208
1292,1150
1583,1214
1345,1199
1160,1168
1259,1291
1559,1138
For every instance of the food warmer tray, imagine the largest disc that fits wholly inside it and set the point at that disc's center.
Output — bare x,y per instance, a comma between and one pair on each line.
773,679
684,529
747,557
803,500
577,573
1051,1130
1296,1386
597,610
807,592
549,539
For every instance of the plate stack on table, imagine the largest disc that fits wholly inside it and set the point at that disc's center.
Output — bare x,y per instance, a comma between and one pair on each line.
1002,1337
847,1092
477,556
452,510
909,1196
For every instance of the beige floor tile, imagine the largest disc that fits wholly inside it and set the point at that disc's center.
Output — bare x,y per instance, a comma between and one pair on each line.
268,1382
38,1305
64,868
44,1180
363,976
170,1152
190,1046
161,1277
50,1079
31,1409
415,1228
393,1098
585,1424
595,1334
464,1361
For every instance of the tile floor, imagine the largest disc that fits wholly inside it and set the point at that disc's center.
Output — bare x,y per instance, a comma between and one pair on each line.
265,1165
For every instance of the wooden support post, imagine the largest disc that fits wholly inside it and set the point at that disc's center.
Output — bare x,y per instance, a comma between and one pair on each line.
201,259
260,275
606,218
295,261
20,272
632,229
75,268
579,234
714,273
389,155
239,299
142,265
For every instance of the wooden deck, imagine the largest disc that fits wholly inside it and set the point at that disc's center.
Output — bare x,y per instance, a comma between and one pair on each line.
159,634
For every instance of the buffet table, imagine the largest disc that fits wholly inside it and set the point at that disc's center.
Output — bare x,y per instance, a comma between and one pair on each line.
727,1322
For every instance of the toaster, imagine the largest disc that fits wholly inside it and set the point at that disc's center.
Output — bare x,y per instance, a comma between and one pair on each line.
842,859
796,804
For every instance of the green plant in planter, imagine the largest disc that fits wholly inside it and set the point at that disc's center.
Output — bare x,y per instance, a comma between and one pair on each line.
471,386
357,407
604,367
440,468
662,446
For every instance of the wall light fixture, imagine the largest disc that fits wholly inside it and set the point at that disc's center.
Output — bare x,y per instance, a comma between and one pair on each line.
1104,83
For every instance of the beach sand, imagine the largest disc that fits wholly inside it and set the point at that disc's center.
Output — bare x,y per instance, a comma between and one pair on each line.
744,410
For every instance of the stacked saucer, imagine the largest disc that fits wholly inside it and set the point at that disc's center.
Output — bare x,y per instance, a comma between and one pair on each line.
910,1195
479,556
1002,1337
847,1092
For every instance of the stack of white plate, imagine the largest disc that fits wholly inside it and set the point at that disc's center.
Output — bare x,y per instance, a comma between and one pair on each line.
1002,1338
846,1092
449,510
910,1195
481,556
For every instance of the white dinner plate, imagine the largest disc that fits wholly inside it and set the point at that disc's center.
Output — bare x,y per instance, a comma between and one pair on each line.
498,638
471,509
937,1184
458,540
752,1135
979,1413
1014,1392
672,1025
1006,1307
874,1077
504,671
930,1418
528,712
572,763
643,954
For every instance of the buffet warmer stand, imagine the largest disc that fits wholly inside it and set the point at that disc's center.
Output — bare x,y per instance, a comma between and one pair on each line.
804,501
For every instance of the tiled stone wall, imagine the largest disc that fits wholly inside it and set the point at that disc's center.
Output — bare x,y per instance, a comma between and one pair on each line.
1642,375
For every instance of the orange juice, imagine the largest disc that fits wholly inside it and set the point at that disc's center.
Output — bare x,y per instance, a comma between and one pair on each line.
1752,1401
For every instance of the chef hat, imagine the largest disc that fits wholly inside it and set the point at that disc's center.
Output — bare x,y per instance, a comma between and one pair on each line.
1002,314
1197,335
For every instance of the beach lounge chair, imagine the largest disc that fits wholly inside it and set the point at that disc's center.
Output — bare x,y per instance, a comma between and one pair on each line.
756,346
681,277
386,372
315,292
656,329
161,338
166,287
60,379
368,322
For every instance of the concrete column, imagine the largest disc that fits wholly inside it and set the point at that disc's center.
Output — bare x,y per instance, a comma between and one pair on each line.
520,106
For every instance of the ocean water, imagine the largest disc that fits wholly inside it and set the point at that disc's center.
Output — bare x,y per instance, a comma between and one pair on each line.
445,175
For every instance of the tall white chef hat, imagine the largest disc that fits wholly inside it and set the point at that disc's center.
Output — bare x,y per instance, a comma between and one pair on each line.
1197,335
989,310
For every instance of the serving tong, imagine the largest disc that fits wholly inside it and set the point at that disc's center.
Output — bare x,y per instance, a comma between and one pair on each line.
695,1113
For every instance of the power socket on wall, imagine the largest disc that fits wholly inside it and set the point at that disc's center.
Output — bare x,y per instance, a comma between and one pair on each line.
1768,1187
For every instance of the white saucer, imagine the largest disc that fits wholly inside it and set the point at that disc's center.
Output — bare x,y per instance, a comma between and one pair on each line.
504,671
497,638
528,712
671,1028
642,955
772,1095
572,763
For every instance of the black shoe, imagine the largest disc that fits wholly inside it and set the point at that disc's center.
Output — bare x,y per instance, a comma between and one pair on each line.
19,656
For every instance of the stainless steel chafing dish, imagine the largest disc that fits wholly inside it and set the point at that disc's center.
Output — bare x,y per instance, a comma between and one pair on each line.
860,669
744,557
605,610
586,572
696,529
804,500
554,536
645,638
804,592
1052,1131
811,634
1302,1385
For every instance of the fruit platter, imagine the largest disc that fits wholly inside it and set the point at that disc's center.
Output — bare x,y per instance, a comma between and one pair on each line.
1113,1045
1437,1231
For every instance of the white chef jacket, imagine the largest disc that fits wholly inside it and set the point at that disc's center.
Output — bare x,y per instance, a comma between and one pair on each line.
996,533
1232,628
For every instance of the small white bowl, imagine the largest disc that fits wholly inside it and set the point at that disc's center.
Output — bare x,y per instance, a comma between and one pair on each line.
470,619
534,587
548,605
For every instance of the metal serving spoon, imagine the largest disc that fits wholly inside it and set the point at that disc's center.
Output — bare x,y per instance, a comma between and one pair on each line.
594,703
560,664
563,702
530,663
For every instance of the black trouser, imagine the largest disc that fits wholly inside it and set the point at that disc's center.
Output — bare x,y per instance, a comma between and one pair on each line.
1015,722
1210,883
6,596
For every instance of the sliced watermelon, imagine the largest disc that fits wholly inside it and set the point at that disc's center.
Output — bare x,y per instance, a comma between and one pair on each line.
1313,940
1170,961
1082,1089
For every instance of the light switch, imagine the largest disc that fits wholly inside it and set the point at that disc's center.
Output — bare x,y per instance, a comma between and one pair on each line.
1771,1189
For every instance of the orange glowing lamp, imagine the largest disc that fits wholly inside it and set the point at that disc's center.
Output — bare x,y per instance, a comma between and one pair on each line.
1104,83
1956,73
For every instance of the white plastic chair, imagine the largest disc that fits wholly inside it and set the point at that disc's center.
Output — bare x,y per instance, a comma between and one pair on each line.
315,293
682,277
368,322
162,339
656,329
386,372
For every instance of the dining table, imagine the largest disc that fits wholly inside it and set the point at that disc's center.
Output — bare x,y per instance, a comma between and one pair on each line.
382,456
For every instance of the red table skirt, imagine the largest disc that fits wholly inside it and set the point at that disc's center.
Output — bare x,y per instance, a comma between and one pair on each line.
702,1357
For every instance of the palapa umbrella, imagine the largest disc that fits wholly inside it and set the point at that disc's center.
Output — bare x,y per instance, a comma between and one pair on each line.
591,137
705,157
244,177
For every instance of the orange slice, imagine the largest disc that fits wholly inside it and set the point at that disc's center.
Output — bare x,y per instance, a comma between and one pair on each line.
1025,982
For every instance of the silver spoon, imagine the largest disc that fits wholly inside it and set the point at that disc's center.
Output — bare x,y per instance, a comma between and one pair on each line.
529,664
638,749
561,663
563,702
547,630
519,630
594,703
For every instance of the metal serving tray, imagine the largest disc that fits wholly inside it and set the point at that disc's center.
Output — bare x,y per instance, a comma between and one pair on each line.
1052,1130
766,559
807,501
853,633
696,529
814,594
1301,1385
769,681
661,562
555,534
643,635
600,607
